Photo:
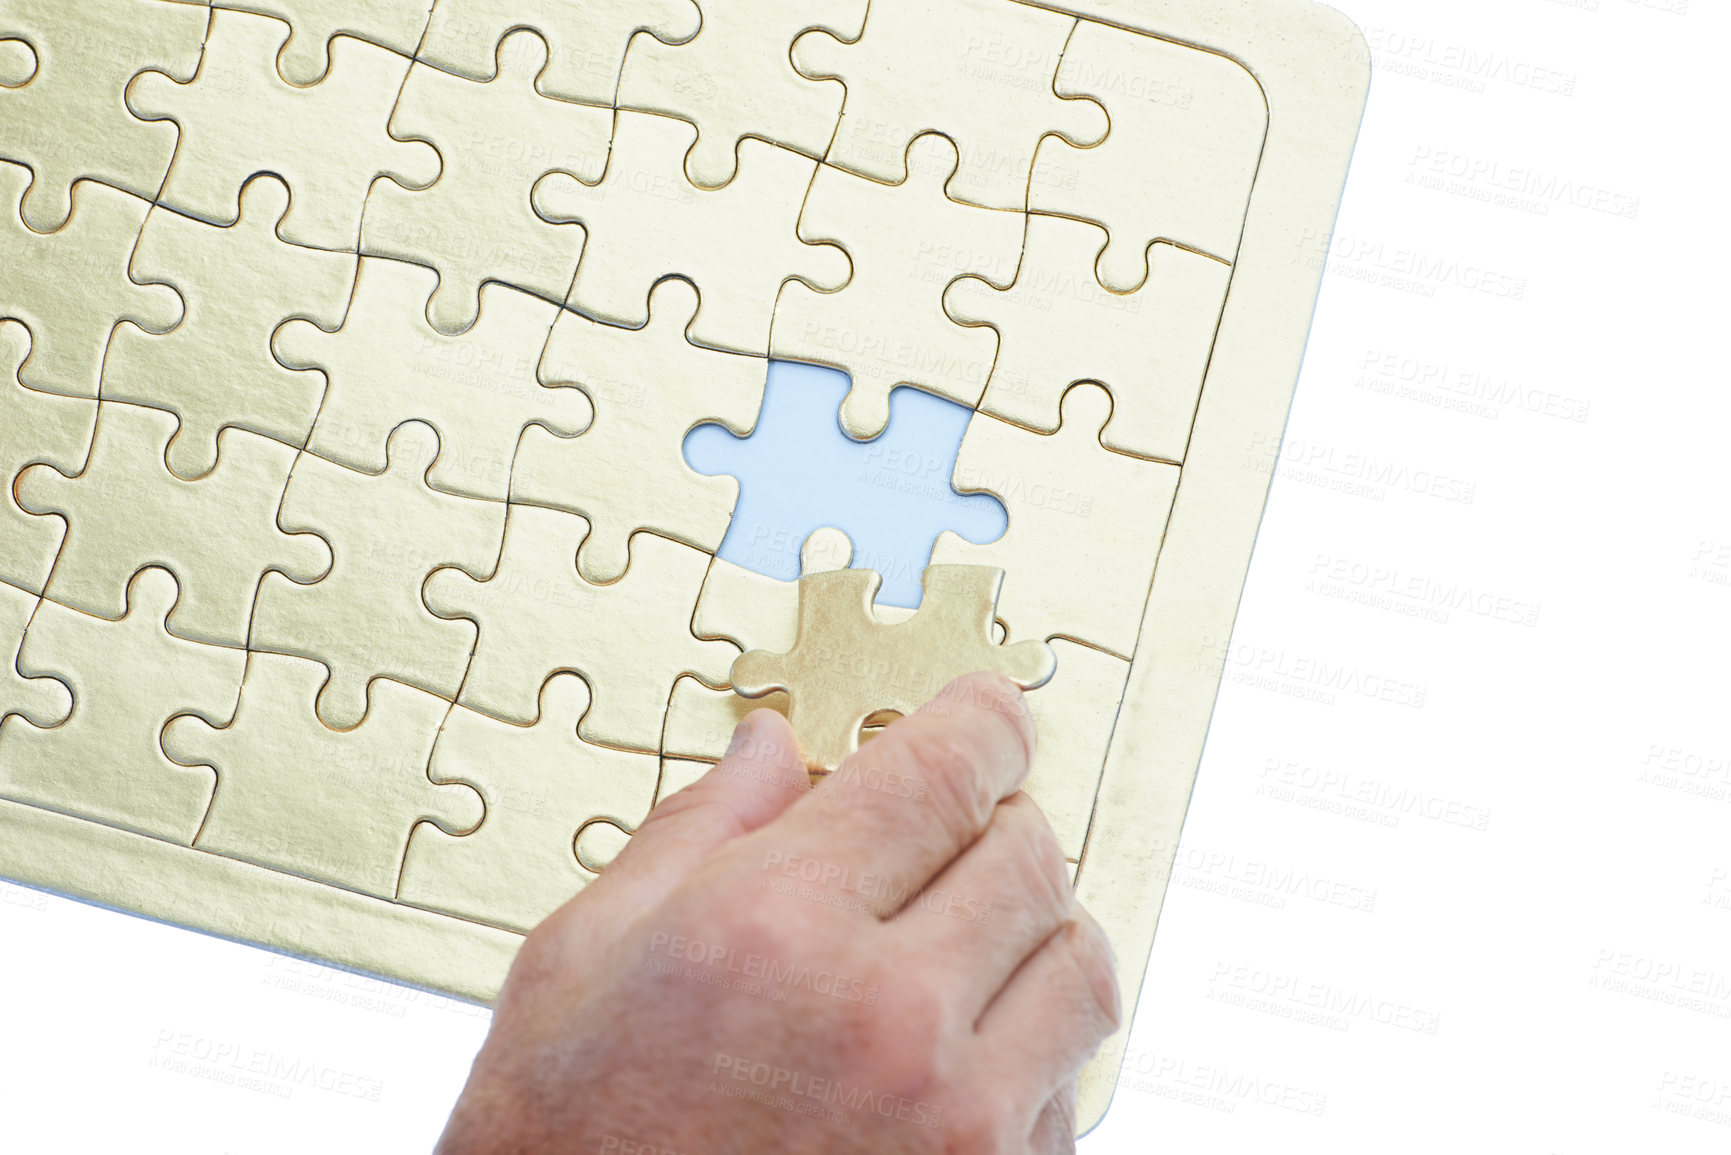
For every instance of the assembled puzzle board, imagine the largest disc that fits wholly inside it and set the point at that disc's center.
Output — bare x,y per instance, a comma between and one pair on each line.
356,596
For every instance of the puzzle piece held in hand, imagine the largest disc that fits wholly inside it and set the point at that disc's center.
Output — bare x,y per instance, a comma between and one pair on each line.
477,390
538,617
1056,326
645,221
626,472
218,535
849,665
214,370
387,533
38,427
237,118
69,121
495,140
42,702
541,784
734,80
978,71
70,287
886,327
305,59
332,805
128,678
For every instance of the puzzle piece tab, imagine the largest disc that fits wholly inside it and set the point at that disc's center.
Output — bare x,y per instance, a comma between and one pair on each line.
478,389
393,24
587,39
1085,524
237,117
35,427
128,678
735,80
848,665
387,533
495,139
538,617
542,784
332,805
217,535
69,122
645,221
978,71
70,287
626,473
1186,139
887,326
215,369
1056,326
41,702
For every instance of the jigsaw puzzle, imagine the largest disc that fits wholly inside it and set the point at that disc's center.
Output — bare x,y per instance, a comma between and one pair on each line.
424,422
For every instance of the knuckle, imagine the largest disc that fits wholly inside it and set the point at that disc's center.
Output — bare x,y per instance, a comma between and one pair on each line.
980,1123
951,766
1090,953
1040,860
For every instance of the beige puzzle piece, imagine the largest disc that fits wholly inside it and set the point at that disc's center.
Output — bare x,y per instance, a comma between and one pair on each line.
599,842
1057,326
735,80
627,472
35,427
18,64
887,326
41,703
978,71
541,784
848,665
237,117
495,139
393,24
1178,164
587,38
1073,718
387,533
215,369
69,122
332,805
70,287
478,390
538,617
1085,524
738,244
217,535
128,678
678,773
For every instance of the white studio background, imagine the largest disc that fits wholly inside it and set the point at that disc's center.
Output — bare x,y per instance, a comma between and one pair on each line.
1457,873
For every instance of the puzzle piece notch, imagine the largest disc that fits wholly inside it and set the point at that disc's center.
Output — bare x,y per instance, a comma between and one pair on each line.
70,287
1079,560
543,786
495,140
735,79
587,41
599,842
67,118
1057,326
214,370
334,806
1178,165
477,390
848,666
41,702
328,142
979,71
537,617
128,678
387,532
18,63
40,428
738,244
627,472
305,58
900,273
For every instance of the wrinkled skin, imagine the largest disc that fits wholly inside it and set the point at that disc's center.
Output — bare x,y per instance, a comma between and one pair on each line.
892,961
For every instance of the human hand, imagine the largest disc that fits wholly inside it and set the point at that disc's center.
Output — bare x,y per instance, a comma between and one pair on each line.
891,961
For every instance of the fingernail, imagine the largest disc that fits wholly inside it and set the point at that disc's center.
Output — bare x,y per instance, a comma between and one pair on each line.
742,735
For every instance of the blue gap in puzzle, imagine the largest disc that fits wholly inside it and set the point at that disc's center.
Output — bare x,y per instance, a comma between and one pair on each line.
798,472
